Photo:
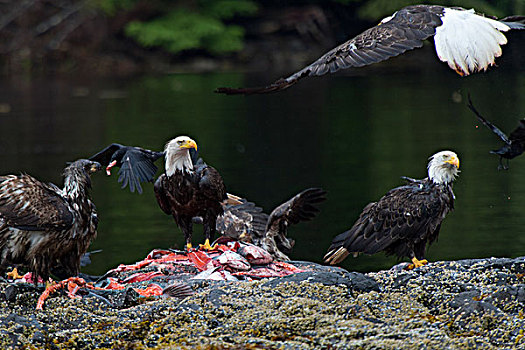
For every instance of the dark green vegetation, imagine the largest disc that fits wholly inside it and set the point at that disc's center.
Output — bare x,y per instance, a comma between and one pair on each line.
201,26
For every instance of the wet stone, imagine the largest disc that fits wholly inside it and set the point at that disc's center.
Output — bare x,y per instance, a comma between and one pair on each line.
214,297
127,299
402,280
477,303
464,298
9,294
353,280
38,338
189,307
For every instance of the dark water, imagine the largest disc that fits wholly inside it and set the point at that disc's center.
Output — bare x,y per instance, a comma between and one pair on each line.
353,134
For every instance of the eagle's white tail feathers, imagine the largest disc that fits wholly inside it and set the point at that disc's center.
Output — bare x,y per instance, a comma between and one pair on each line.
469,42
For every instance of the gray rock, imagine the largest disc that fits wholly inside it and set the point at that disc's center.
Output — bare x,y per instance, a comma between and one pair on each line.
477,308
215,295
353,280
38,338
464,298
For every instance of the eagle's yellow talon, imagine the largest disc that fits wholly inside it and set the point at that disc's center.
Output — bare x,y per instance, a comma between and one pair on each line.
14,274
207,245
416,263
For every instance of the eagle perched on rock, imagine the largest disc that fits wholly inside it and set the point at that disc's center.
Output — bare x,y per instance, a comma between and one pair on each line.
405,219
468,42
187,190
43,226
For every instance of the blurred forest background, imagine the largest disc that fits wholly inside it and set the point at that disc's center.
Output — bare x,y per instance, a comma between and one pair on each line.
132,36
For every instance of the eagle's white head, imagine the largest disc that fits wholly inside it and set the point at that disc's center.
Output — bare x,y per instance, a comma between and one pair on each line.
178,155
443,167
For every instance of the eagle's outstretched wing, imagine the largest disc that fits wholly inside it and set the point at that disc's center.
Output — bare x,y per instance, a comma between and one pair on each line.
136,164
405,30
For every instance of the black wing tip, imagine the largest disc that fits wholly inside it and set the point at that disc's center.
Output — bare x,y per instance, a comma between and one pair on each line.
277,86
314,194
103,155
514,21
470,105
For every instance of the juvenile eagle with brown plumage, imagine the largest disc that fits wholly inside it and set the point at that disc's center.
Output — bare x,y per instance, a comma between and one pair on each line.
248,223
43,226
404,220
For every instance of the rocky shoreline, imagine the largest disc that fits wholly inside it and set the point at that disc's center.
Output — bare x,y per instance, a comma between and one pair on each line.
477,303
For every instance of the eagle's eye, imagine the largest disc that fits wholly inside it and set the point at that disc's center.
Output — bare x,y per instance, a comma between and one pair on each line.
179,142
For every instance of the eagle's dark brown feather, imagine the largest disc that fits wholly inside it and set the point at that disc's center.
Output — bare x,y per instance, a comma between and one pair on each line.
405,219
26,203
247,222
407,30
402,222
197,191
42,226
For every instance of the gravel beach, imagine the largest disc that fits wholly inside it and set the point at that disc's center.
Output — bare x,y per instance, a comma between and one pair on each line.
443,305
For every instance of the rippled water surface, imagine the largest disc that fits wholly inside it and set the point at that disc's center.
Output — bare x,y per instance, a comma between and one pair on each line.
353,134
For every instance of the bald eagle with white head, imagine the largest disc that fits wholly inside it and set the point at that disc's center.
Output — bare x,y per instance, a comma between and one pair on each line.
466,41
404,220
43,226
187,190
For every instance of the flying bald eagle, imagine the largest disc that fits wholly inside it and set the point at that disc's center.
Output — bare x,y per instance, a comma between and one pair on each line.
247,222
404,220
136,164
186,190
468,42
514,143
43,226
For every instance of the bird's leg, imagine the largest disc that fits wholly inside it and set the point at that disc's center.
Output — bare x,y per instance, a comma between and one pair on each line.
209,230
187,229
501,166
416,263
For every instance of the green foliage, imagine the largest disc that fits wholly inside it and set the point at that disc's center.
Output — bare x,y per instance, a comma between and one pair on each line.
202,27
110,7
183,30
226,9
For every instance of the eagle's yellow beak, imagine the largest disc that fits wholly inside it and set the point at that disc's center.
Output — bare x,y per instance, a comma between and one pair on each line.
95,167
189,144
454,161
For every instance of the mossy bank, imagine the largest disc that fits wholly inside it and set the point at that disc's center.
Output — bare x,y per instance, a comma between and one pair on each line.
458,304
